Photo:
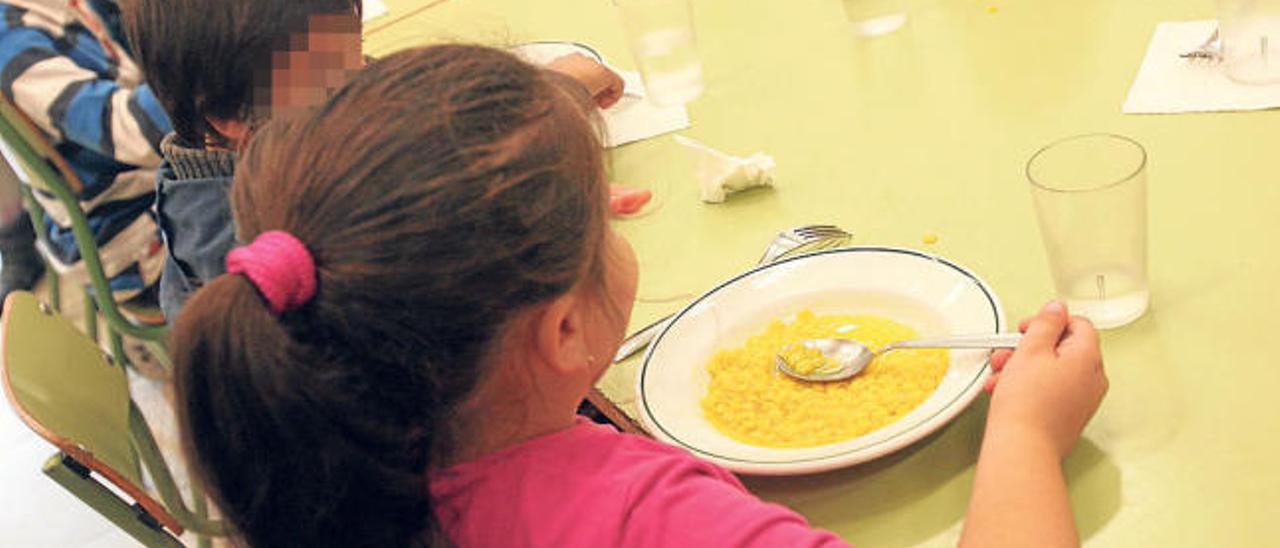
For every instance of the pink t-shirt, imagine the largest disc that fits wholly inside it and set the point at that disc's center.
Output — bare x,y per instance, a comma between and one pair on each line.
592,486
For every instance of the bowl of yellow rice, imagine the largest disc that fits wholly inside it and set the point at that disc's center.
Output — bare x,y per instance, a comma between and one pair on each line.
707,383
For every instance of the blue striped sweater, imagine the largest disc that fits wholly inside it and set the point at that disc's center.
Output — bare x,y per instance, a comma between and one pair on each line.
59,64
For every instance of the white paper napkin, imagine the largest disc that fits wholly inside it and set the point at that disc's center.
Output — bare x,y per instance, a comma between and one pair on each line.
633,117
373,9
1168,83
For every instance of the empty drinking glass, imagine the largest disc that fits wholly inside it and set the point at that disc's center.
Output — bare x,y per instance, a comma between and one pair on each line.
1090,194
875,17
1250,33
660,33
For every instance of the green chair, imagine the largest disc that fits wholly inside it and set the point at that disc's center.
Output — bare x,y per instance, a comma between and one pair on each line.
66,390
49,172
36,213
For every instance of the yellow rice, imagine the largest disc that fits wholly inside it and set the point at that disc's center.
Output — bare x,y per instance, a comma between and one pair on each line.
748,400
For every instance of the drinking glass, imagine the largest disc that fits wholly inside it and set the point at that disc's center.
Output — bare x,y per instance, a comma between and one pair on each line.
1090,194
1250,34
875,17
660,33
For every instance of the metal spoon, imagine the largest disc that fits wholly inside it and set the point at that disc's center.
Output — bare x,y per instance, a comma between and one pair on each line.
846,357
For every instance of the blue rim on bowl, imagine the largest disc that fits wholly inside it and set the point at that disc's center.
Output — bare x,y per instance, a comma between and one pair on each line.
963,391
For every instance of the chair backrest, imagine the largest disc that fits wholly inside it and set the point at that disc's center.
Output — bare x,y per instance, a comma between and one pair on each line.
45,168
64,388
48,171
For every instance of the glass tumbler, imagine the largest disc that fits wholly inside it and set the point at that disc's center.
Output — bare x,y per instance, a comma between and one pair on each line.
875,17
1090,194
660,34
1250,35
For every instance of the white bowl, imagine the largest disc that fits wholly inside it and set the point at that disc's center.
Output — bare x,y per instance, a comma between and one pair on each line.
933,295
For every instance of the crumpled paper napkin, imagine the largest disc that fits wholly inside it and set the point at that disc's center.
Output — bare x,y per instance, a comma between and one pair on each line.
720,174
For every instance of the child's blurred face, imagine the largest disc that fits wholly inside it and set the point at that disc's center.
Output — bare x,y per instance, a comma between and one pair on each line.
317,62
613,308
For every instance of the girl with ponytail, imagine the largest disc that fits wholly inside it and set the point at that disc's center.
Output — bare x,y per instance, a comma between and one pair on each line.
429,288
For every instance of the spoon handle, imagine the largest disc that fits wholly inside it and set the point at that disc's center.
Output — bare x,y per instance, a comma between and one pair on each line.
996,340
640,340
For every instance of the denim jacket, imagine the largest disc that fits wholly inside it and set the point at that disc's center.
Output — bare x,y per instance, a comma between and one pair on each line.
194,212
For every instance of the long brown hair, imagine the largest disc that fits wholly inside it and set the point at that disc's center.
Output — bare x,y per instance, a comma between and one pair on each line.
440,192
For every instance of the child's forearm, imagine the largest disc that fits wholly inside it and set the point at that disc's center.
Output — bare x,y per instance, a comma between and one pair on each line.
1019,494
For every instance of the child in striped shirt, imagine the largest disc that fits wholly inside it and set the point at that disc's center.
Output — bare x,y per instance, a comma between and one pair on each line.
61,66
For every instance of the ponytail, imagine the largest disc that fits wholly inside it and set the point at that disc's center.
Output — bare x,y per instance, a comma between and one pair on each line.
439,193
287,474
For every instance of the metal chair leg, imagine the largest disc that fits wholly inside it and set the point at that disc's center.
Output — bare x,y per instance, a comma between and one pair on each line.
161,354
202,511
55,290
149,453
117,348
76,479
90,316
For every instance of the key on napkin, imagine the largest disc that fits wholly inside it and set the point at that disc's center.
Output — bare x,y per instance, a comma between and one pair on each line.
1168,83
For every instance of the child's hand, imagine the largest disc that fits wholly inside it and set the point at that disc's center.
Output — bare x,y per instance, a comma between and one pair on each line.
603,84
624,200
1052,384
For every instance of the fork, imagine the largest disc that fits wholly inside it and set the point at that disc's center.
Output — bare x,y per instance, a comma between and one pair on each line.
1210,50
788,242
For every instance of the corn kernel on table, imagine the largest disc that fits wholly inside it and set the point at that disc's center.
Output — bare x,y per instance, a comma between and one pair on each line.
924,133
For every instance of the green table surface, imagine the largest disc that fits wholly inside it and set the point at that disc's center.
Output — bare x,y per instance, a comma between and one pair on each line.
926,131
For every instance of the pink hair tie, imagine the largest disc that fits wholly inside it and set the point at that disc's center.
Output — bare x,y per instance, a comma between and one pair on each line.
280,266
